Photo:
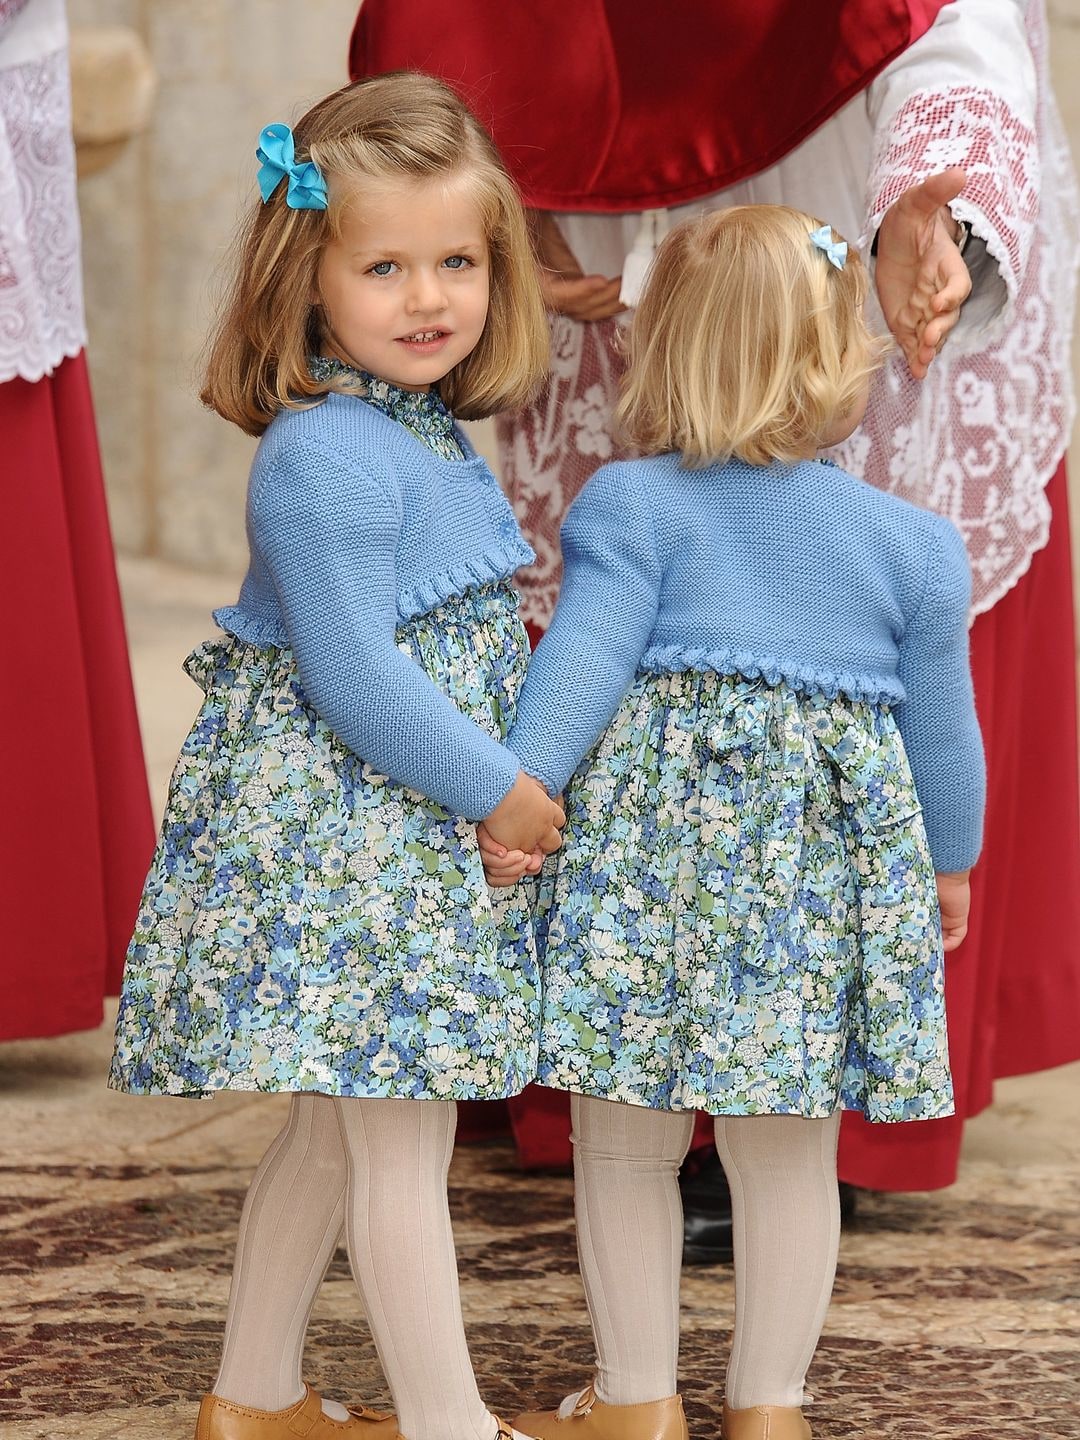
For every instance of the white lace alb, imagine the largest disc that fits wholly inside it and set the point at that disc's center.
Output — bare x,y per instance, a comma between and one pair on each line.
41,300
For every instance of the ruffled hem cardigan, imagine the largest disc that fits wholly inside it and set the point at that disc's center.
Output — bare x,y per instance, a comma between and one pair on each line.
796,573
355,527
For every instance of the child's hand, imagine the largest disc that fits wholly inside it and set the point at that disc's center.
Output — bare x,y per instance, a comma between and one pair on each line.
504,867
526,819
954,898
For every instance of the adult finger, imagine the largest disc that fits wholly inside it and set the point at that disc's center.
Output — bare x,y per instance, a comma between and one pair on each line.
952,294
936,332
594,297
935,191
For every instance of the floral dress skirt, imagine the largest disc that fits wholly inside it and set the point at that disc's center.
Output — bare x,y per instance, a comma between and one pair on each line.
744,916
307,924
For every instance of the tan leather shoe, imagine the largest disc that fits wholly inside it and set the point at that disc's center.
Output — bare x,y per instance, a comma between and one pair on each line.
584,1417
223,1420
764,1422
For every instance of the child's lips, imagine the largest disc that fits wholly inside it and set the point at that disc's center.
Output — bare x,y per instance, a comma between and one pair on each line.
425,341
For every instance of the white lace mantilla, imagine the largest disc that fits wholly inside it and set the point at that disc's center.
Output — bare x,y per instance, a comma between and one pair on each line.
41,300
979,438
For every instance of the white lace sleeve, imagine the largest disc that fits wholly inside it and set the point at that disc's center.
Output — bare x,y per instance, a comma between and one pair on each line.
966,94
41,301
980,437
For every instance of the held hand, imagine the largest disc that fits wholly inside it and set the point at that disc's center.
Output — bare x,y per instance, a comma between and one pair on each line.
954,898
566,290
922,280
527,818
504,867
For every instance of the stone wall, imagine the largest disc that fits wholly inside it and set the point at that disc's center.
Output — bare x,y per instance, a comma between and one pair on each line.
154,235
155,232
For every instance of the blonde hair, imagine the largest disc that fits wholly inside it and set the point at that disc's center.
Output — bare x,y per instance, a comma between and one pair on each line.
399,126
747,340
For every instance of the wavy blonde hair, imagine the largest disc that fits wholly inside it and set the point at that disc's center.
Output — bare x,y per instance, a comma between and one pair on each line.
397,127
747,340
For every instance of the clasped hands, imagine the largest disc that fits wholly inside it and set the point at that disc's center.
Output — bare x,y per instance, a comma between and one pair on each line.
525,826
519,832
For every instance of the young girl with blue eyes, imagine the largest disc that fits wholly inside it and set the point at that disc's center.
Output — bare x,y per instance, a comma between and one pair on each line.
755,696
316,919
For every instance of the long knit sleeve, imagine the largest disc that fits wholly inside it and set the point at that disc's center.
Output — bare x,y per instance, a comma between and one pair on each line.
605,615
937,717
328,535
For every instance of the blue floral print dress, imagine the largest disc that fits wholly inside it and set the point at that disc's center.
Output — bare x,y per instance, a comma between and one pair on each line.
743,918
307,924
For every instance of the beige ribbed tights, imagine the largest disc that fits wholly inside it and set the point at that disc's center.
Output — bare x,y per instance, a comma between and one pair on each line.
782,1174
380,1167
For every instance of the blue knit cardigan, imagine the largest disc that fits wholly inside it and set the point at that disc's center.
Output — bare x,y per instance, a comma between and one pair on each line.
799,573
355,527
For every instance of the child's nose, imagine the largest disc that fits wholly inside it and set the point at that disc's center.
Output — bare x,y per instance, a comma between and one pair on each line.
426,294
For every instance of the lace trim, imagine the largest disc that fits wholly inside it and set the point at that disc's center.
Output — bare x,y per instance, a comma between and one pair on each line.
806,679
973,127
41,301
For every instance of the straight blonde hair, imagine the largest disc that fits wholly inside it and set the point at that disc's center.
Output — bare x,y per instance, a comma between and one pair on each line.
747,342
397,127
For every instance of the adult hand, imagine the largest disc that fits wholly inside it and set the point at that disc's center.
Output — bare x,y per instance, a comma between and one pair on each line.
566,290
922,280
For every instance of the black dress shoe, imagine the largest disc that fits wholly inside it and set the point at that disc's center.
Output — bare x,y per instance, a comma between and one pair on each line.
707,1209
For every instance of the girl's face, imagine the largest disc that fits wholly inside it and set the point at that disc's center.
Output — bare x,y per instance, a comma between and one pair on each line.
404,289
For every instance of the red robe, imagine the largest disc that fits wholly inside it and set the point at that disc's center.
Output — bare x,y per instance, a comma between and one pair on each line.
79,830
666,104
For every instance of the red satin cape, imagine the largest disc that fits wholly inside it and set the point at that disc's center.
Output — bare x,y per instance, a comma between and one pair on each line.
78,830
1013,988
616,105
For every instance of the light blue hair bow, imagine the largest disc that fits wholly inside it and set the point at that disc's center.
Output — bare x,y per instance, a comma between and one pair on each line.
307,188
835,250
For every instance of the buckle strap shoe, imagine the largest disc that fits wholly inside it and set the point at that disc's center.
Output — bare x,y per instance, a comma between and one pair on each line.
225,1420
764,1422
582,1416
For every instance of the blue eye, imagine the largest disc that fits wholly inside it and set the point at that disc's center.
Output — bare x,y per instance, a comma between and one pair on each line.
457,262
382,267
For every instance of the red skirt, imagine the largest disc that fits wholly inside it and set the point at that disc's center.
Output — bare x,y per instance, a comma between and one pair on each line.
79,830
1013,987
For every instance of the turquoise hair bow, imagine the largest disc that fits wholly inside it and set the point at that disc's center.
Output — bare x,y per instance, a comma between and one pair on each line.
307,188
835,250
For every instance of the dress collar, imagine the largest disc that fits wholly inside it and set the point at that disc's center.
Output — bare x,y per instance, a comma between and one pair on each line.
423,411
